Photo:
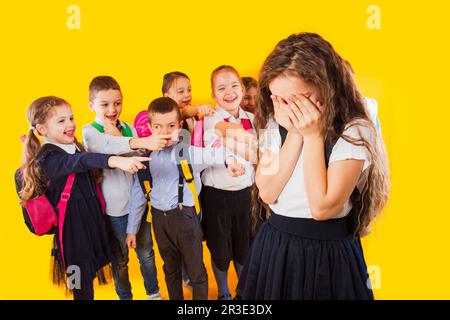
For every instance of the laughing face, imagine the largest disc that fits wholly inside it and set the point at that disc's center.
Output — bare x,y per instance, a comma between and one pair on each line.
59,126
107,105
180,91
227,91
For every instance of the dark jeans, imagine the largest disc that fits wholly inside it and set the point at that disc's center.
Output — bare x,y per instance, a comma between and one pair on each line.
179,237
119,259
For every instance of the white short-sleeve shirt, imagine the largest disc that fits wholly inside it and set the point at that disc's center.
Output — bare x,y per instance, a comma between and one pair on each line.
293,201
219,177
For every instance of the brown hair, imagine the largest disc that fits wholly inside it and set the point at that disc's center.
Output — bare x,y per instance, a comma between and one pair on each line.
34,181
163,105
169,78
223,68
102,83
249,82
313,59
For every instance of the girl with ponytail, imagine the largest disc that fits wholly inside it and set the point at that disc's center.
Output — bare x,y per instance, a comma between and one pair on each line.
80,244
323,172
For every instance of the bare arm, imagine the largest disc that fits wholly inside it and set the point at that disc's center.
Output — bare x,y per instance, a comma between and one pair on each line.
192,111
275,169
189,111
236,139
327,190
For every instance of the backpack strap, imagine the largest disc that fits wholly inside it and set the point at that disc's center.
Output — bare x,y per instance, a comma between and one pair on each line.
126,130
198,134
62,207
283,134
145,180
245,122
100,196
186,174
98,126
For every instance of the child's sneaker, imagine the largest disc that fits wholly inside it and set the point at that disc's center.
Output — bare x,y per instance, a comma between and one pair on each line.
155,296
187,285
225,296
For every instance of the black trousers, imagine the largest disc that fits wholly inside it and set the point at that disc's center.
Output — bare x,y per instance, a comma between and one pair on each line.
179,238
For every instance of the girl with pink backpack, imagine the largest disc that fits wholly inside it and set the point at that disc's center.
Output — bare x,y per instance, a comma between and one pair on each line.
60,195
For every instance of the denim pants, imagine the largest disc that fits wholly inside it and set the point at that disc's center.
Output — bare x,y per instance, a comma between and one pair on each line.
119,259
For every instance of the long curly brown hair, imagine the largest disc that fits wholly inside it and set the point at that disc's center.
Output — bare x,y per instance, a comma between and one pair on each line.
313,59
34,180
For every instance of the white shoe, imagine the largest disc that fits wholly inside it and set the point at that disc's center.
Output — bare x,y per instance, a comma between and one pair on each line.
155,296
187,285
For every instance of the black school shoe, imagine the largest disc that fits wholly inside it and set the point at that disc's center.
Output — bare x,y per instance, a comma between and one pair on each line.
225,296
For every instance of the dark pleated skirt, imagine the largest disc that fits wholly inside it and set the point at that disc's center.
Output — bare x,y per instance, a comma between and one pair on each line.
295,258
85,238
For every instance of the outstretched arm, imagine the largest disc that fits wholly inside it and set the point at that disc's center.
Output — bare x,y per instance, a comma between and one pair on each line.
57,165
191,111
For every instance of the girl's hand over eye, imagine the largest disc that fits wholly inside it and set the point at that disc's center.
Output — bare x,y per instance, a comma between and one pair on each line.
305,115
280,108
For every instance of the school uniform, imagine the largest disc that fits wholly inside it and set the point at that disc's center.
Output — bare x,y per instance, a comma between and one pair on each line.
296,257
84,241
177,230
116,185
226,201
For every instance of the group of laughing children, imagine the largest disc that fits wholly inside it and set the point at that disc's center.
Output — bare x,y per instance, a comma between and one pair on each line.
115,152
308,172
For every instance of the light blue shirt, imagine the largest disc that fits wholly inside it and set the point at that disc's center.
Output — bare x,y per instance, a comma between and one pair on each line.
165,176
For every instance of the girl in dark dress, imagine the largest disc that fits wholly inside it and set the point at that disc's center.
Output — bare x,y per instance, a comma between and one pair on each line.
80,247
323,171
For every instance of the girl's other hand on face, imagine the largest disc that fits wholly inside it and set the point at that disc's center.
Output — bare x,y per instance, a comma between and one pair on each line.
305,115
280,108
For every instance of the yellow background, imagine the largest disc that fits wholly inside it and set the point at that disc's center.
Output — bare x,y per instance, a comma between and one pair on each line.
404,65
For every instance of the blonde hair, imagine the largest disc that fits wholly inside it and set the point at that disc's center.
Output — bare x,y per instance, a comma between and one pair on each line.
33,179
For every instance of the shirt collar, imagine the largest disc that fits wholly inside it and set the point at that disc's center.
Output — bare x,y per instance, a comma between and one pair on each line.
70,148
102,122
225,114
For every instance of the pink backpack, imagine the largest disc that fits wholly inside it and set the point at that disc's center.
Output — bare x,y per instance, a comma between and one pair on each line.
199,132
39,214
141,124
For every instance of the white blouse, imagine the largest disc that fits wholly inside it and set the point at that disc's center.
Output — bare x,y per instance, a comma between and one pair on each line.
293,201
218,177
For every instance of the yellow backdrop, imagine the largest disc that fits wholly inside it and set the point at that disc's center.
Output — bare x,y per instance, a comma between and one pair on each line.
399,52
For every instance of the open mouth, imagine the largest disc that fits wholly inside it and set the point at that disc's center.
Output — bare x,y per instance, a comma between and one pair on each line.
186,102
111,118
230,100
70,133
